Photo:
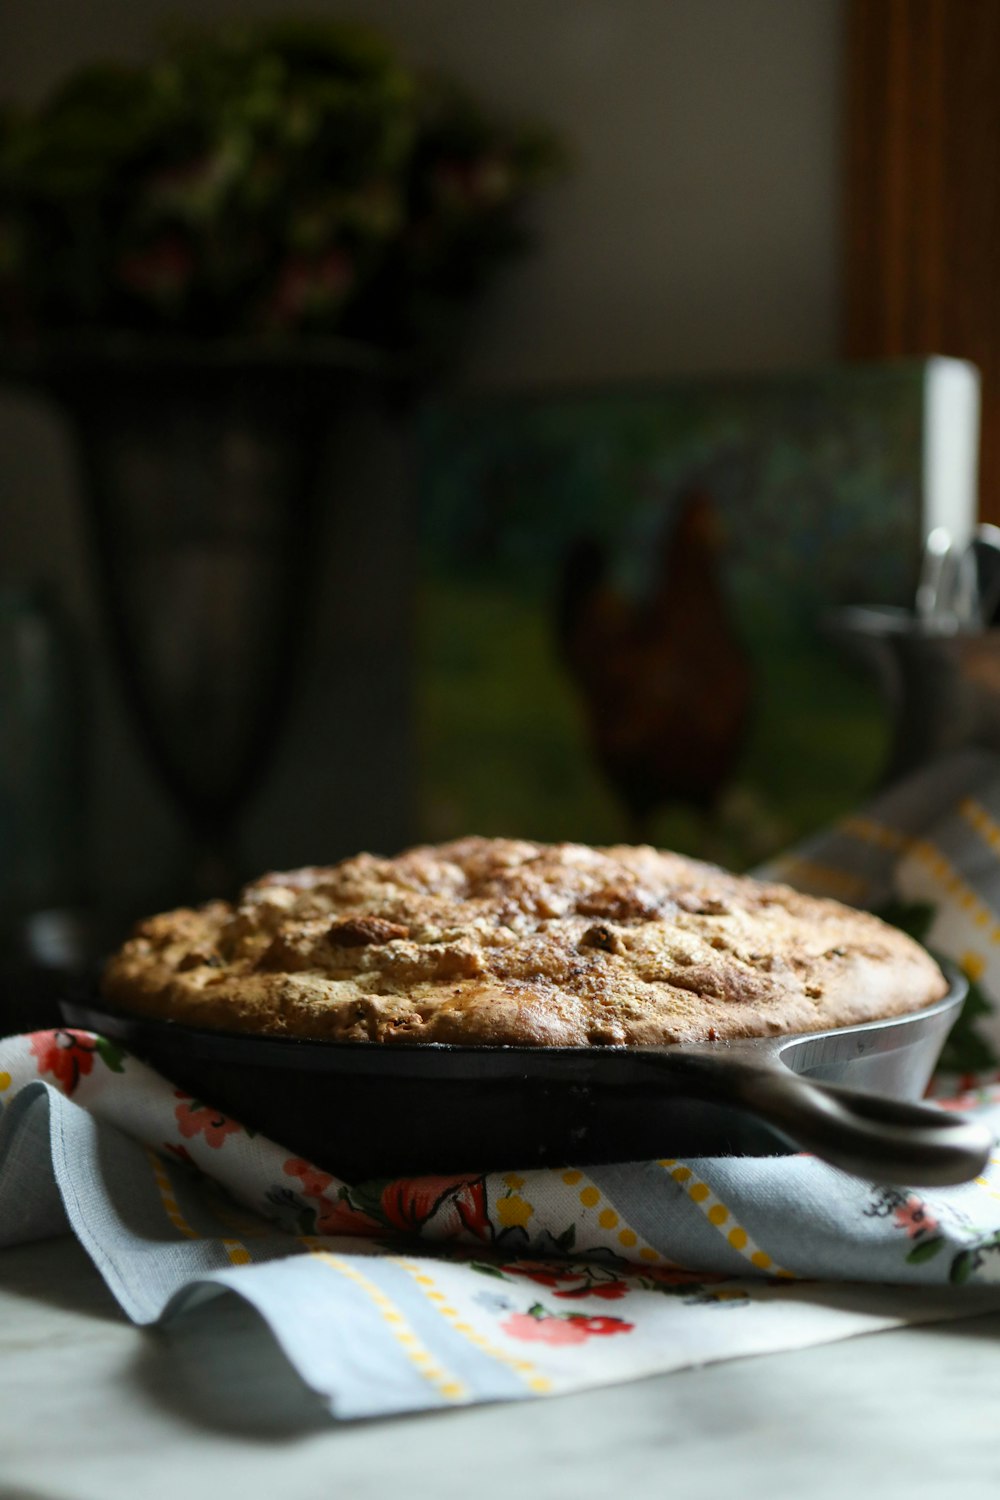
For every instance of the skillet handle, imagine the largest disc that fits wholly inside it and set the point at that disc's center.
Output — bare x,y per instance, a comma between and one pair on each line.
891,1141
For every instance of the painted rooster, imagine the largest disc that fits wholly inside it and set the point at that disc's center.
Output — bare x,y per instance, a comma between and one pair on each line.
666,682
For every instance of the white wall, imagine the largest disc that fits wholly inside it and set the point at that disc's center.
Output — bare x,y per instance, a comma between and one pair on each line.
697,232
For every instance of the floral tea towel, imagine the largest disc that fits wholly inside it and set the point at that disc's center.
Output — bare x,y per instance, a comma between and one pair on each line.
411,1294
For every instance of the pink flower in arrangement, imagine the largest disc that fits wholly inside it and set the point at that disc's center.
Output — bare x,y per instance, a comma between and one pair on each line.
914,1217
194,1118
186,184
67,1055
310,285
161,272
480,184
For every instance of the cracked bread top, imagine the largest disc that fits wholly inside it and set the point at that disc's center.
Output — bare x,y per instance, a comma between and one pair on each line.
506,942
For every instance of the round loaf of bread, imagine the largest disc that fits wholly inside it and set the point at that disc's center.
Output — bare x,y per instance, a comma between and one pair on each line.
503,942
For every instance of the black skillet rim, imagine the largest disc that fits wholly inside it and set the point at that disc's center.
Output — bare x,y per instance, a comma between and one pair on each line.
314,1054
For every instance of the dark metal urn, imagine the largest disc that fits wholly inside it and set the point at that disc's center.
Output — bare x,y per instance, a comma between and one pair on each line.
200,469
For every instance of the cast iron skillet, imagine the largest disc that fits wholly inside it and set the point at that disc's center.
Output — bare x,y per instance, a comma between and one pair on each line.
385,1110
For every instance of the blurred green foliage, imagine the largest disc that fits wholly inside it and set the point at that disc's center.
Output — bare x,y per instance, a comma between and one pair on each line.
260,181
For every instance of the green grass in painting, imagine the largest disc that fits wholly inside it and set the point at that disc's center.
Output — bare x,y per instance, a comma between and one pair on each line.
504,751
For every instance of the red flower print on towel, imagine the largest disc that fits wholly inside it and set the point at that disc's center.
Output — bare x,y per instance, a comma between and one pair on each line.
341,1217
609,1290
603,1326
540,1326
314,1182
446,1206
195,1118
542,1271
594,1281
335,1215
676,1276
67,1055
545,1330
914,1217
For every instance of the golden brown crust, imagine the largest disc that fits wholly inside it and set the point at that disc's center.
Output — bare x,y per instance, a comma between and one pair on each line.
505,942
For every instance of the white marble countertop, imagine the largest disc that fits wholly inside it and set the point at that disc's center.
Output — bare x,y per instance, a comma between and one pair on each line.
92,1408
